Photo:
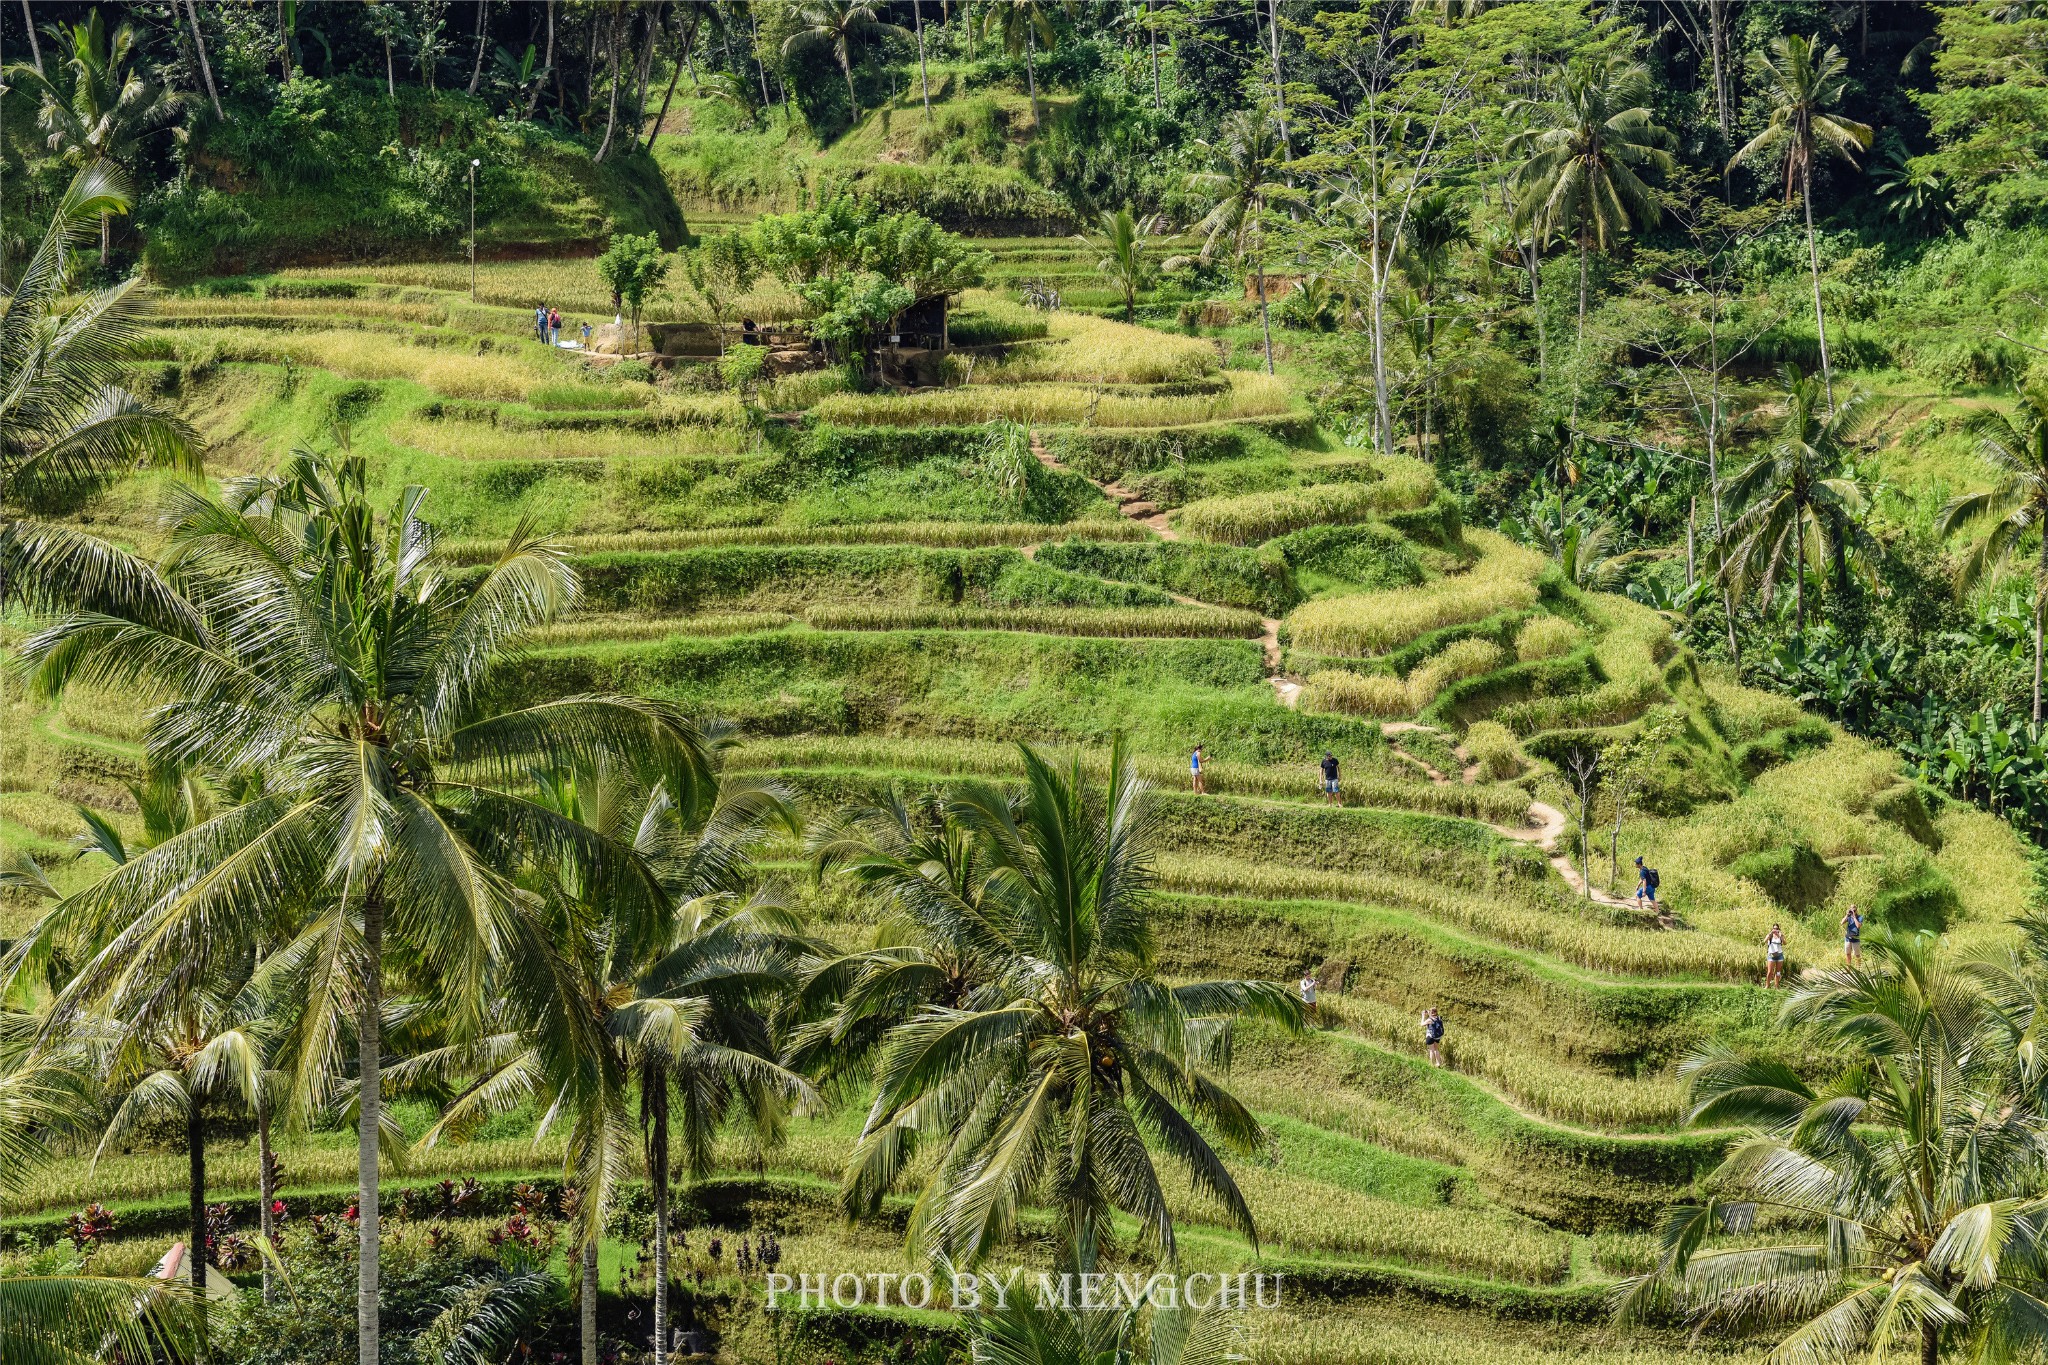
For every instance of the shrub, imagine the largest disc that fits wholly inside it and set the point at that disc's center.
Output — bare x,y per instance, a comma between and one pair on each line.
1250,518
1493,747
1186,623
1792,874
1504,578
1355,694
1546,637
1092,349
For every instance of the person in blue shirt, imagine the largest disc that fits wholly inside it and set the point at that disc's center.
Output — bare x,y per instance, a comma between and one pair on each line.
1646,885
1195,770
1852,936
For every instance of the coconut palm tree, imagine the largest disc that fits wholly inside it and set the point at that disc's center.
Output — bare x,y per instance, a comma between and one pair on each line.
680,1003
296,633
1804,80
841,24
2016,506
104,106
942,942
1579,172
1020,26
1803,498
1028,1331
66,424
1122,240
1908,1186
1239,184
72,1319
1049,1089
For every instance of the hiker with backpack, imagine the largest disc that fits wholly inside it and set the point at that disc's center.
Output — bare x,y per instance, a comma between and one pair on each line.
1646,885
1433,1035
1852,937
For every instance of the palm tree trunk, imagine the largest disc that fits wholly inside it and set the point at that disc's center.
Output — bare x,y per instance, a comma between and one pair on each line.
195,1254
760,67
198,42
369,1101
266,1188
1536,307
1930,1344
1799,573
846,70
1279,99
1152,31
390,74
476,74
1031,73
106,237
547,62
1820,321
35,49
674,72
588,1311
1585,255
611,118
2040,605
655,1087
924,79
646,66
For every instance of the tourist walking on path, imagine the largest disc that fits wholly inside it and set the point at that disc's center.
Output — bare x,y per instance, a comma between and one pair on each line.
1332,793
1774,957
1433,1035
1195,770
1646,885
1852,936
1308,995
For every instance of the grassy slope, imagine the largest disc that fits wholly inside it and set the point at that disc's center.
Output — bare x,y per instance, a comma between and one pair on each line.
1417,1205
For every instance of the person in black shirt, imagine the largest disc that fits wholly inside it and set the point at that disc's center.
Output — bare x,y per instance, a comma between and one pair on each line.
1331,791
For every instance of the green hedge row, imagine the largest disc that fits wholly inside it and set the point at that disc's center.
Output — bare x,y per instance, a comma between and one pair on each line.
1108,454
1222,574
692,580
1345,839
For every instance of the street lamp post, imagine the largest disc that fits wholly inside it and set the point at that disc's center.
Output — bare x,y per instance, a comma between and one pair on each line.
474,162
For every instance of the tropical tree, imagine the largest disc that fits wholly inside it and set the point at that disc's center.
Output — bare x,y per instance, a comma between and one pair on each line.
1909,1183
1020,26
1804,80
105,106
1581,157
1239,185
66,424
1051,1088
296,633
841,25
1435,227
2016,506
680,1002
1577,542
1028,1331
939,944
1122,240
1803,498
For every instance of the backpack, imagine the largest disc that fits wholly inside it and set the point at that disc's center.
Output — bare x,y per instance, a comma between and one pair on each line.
1650,877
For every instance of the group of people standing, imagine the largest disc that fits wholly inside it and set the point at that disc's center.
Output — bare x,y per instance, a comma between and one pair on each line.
1332,788
547,325
1432,1021
1774,947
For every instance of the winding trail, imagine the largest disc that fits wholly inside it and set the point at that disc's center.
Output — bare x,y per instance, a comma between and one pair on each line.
1544,825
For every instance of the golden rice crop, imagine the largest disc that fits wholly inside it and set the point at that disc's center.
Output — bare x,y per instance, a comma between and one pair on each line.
1494,748
1086,348
570,283
1158,622
379,355
938,534
1631,653
465,440
1355,694
1545,637
1538,1081
1250,395
948,757
1746,713
1503,579
1520,919
605,629
1248,518
1457,661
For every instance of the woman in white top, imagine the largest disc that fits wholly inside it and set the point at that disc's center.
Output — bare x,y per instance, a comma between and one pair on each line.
1774,957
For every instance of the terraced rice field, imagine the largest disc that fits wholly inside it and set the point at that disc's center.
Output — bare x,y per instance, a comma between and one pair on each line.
843,577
